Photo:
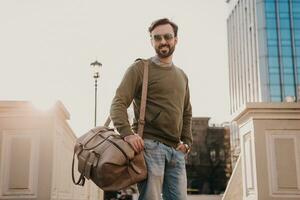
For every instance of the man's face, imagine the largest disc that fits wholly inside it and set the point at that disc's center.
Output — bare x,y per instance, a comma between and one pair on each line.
163,40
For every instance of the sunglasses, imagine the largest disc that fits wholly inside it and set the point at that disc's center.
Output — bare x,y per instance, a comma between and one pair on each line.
159,38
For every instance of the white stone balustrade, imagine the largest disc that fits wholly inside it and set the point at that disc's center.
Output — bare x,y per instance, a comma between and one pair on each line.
36,154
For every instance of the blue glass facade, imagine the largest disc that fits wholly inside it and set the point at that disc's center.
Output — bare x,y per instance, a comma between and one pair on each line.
296,22
283,42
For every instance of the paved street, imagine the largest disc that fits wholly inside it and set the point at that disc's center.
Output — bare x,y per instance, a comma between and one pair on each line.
204,197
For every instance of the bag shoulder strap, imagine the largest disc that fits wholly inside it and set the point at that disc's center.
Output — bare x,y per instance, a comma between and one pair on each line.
141,121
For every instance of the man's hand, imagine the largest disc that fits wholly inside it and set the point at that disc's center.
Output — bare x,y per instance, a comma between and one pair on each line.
136,142
181,147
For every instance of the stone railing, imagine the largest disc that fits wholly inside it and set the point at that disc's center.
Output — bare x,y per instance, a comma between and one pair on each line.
36,154
234,190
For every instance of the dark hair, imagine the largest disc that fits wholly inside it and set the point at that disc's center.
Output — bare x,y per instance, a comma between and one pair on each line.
162,22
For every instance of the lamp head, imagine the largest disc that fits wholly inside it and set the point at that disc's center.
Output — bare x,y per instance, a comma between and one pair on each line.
96,68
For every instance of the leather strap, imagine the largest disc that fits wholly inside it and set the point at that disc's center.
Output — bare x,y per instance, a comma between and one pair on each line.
141,121
81,179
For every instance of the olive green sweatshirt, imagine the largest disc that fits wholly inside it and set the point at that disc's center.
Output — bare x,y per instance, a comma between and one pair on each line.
168,109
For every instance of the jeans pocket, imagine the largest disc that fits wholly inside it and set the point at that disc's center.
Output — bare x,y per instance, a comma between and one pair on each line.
150,144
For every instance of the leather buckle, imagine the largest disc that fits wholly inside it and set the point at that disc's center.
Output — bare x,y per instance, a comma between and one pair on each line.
142,122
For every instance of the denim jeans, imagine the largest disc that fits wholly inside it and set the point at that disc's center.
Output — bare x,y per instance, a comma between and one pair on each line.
166,173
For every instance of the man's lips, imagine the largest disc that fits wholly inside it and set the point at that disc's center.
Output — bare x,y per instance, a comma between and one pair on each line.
164,46
164,49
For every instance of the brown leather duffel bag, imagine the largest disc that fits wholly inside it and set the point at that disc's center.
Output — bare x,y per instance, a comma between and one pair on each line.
109,161
106,159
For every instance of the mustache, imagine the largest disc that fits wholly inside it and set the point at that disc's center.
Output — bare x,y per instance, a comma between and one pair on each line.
163,45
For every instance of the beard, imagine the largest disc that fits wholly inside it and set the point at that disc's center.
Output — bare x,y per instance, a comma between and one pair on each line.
164,53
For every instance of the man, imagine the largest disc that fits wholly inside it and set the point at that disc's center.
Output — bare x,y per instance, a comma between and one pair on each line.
167,131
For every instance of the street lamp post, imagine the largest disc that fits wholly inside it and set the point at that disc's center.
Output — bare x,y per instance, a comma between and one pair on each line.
96,68
96,74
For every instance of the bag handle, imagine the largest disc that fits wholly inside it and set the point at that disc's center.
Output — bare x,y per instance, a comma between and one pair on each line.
81,179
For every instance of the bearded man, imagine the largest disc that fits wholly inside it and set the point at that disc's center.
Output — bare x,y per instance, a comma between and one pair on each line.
167,130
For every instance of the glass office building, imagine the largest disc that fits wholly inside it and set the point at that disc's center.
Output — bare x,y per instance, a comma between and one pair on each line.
264,51
283,42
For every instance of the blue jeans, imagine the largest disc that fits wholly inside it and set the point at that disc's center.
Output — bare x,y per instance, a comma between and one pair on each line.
166,173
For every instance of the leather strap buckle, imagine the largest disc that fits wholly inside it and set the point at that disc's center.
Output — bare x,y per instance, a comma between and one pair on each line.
142,122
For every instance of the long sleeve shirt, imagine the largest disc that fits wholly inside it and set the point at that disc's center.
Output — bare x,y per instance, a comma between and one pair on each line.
168,108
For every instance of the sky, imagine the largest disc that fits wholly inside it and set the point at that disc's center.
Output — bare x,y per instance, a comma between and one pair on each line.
46,48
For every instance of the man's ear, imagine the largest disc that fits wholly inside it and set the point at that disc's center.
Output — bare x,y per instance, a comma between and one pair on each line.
151,41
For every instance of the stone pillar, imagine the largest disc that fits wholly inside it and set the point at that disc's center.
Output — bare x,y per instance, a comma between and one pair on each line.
270,150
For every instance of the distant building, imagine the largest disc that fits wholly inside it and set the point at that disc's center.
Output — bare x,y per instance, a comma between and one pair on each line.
208,163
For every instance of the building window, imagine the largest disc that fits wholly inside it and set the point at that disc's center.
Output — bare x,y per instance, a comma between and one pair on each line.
296,6
282,59
283,6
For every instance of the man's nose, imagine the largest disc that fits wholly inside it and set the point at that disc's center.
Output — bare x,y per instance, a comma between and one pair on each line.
163,40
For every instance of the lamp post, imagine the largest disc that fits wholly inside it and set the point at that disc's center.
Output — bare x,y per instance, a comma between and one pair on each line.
96,68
